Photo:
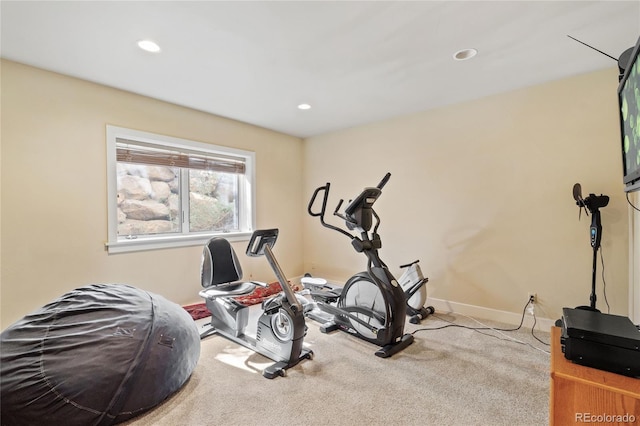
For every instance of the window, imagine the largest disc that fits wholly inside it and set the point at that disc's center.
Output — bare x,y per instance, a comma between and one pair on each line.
168,192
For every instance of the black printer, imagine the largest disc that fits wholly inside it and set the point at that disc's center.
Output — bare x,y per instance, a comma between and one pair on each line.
602,341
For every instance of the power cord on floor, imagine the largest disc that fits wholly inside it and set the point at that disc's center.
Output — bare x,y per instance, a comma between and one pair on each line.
498,330
509,338
533,328
476,328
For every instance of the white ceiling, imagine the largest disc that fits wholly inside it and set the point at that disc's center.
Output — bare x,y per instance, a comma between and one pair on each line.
355,62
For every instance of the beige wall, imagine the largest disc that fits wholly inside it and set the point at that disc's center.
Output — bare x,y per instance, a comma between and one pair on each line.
54,206
481,193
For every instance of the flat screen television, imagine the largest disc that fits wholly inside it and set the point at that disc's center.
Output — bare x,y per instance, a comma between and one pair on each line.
629,103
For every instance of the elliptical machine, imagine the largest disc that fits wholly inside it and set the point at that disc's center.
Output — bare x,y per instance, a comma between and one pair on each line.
371,305
281,327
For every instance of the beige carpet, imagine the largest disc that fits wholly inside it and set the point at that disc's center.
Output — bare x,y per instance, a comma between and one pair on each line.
452,376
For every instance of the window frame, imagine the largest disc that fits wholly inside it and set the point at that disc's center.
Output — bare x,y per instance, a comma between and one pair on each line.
246,193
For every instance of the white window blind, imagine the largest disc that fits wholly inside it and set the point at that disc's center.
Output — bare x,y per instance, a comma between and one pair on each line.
142,153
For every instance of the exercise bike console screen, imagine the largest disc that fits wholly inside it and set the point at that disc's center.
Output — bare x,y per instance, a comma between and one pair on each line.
259,239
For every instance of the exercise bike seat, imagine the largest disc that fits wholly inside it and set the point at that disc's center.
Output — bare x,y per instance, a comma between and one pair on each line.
220,271
233,289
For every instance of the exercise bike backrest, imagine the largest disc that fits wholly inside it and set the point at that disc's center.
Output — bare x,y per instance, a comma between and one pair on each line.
220,268
227,270
358,215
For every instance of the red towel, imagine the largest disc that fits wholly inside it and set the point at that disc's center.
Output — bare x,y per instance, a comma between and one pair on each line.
199,310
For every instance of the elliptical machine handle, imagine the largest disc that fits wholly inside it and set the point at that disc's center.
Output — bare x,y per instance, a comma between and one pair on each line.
384,181
324,188
323,209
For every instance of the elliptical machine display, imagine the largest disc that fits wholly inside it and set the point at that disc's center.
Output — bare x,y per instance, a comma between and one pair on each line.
372,304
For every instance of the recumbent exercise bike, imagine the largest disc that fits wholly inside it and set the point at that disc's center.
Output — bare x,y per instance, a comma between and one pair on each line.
281,327
372,305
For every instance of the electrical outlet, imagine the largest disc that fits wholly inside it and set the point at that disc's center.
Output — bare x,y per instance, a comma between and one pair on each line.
533,298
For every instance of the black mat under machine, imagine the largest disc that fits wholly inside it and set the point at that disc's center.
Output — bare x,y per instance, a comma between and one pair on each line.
602,341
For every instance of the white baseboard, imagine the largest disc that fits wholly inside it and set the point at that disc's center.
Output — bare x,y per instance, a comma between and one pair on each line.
480,312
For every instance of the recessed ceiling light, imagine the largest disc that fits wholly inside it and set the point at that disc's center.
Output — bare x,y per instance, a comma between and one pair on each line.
464,54
149,46
304,106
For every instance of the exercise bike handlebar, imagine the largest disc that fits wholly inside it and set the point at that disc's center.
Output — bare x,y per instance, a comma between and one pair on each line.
261,243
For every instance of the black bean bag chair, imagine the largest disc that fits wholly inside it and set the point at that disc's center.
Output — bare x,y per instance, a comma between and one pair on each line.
98,355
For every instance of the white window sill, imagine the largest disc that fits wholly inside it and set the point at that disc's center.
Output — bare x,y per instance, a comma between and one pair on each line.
156,243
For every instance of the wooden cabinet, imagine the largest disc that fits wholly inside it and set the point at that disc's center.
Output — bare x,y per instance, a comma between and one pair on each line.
587,395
